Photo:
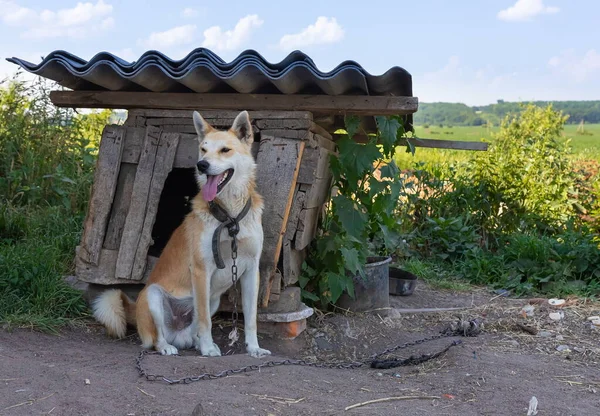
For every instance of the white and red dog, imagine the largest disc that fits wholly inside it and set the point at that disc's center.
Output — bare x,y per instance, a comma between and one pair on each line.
175,308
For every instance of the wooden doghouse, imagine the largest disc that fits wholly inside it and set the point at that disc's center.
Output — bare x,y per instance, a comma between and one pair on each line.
143,180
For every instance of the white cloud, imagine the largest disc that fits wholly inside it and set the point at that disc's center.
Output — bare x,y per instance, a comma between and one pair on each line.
576,68
79,21
189,13
126,54
324,31
219,40
179,35
524,10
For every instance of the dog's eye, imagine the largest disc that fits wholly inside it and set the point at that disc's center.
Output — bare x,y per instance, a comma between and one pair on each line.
225,150
203,150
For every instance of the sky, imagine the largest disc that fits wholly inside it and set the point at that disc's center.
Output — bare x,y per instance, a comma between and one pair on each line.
469,51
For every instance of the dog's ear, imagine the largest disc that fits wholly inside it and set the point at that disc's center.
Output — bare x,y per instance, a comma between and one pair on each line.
242,128
201,125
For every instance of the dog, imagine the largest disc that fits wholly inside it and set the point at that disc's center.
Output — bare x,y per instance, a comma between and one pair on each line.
183,291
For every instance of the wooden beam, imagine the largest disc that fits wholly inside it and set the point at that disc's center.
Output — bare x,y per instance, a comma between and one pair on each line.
340,104
435,143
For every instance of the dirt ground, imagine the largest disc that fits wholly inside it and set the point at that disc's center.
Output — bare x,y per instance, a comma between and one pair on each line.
81,372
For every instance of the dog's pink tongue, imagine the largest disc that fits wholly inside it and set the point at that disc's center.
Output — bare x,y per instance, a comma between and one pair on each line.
209,190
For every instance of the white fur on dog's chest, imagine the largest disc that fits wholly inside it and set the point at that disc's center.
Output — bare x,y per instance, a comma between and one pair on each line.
249,242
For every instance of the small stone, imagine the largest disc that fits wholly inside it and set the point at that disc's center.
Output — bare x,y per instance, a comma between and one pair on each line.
557,316
545,334
513,343
560,338
528,310
319,334
556,302
87,382
562,348
379,374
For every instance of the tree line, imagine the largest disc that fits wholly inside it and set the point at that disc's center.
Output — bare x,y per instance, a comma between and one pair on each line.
457,114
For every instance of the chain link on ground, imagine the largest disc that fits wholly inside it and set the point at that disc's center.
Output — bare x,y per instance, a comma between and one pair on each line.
461,328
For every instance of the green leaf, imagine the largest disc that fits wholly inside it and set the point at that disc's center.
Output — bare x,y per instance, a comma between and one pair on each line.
352,219
410,147
357,158
388,131
307,295
352,124
390,237
390,170
351,259
337,285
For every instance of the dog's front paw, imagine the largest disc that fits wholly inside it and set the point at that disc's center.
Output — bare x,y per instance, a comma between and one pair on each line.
166,349
210,351
257,352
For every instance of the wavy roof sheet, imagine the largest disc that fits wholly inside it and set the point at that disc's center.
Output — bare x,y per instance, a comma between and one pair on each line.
202,71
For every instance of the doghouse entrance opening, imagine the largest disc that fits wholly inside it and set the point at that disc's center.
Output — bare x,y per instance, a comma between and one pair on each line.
175,203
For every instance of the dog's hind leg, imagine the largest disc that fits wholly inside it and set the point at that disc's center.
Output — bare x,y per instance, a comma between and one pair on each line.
156,297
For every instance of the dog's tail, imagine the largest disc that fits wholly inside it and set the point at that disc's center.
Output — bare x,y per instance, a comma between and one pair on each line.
114,309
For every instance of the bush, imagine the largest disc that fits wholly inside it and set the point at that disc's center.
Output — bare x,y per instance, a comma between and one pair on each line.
519,216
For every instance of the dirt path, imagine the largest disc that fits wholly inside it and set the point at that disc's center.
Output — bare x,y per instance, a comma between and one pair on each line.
496,373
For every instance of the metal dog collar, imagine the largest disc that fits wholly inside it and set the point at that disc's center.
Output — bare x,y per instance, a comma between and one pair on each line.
232,224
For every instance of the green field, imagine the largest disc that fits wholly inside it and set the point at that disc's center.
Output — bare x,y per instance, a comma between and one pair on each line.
585,146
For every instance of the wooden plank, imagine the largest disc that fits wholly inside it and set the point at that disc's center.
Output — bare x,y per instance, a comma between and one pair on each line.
218,114
307,227
339,104
103,190
319,192
137,208
316,129
134,138
163,164
284,124
308,167
325,142
437,144
449,144
288,134
292,263
120,206
104,272
278,164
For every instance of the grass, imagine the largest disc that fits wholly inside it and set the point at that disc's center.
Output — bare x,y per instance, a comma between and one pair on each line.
585,147
437,275
36,252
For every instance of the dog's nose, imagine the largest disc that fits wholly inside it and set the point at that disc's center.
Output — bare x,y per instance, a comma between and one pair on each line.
203,166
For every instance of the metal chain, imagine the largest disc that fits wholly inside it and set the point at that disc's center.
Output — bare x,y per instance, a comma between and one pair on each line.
450,332
233,335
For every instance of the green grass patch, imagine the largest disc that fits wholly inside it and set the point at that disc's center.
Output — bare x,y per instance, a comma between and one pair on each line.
36,251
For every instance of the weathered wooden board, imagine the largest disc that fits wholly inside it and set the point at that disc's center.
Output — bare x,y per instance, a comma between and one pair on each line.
219,114
120,206
284,124
292,259
104,272
103,190
288,134
339,104
436,144
163,164
278,165
137,208
307,227
134,139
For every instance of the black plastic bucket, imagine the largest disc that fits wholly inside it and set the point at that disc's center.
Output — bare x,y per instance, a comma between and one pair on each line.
402,283
372,292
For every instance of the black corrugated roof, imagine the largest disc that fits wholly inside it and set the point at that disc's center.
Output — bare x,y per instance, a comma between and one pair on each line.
203,71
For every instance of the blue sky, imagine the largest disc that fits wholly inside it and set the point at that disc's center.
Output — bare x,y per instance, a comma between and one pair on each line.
471,51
